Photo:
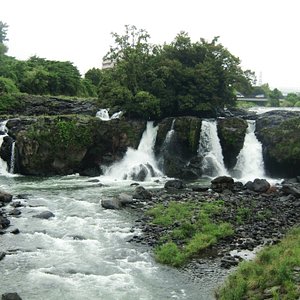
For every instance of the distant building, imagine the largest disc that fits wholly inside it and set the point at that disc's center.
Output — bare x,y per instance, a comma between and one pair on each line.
107,64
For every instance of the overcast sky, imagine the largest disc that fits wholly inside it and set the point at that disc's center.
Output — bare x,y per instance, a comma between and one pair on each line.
264,34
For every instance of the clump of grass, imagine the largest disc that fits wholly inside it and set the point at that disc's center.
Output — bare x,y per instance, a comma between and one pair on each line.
191,229
273,270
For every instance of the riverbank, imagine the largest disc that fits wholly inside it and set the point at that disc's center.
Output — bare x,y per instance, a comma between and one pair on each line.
252,219
274,274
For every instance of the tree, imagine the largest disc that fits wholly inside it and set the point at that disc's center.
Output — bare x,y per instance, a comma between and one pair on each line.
3,32
274,97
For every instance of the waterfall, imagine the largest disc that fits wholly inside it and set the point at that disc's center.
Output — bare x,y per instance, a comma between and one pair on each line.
3,133
138,164
210,150
104,115
250,164
12,158
169,135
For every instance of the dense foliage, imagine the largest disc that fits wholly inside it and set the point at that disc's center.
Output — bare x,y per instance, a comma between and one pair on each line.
180,78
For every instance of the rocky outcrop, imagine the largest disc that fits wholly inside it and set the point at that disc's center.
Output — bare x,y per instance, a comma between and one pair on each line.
278,131
33,105
52,145
231,132
177,150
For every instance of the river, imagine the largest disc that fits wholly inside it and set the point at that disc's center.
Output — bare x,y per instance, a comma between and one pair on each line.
83,253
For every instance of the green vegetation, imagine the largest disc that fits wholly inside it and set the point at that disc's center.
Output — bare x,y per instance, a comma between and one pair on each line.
64,132
274,274
191,229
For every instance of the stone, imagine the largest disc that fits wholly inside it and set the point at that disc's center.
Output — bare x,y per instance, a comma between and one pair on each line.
4,222
2,255
5,197
290,189
11,296
141,193
221,183
174,184
260,185
15,212
44,215
125,199
15,231
111,203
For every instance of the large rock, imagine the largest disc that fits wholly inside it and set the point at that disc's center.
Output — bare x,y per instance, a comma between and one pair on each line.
111,203
258,185
141,193
291,189
11,296
177,148
44,215
221,183
5,197
62,145
231,132
279,133
174,184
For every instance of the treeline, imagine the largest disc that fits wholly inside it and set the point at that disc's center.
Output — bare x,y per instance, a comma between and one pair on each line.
144,80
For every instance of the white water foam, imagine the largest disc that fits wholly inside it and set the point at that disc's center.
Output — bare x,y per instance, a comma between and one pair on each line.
137,161
250,164
210,150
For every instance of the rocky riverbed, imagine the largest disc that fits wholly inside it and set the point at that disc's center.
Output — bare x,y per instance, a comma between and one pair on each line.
259,213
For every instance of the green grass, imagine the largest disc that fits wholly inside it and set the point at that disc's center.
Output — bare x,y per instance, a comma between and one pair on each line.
191,229
273,270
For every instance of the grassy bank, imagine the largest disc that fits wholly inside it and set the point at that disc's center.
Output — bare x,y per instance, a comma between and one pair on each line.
274,274
187,229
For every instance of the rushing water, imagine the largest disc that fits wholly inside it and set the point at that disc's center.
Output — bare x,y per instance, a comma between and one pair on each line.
138,162
250,164
210,149
83,253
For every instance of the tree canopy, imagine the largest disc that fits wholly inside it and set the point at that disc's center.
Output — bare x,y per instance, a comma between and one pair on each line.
174,79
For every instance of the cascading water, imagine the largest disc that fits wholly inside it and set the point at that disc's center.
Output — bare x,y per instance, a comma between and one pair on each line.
138,164
12,158
104,115
3,133
169,135
250,164
210,150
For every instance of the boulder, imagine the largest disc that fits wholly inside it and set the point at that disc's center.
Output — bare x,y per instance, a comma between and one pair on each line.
261,185
4,222
278,131
221,183
44,215
11,296
141,193
125,199
5,197
291,189
111,203
2,255
174,184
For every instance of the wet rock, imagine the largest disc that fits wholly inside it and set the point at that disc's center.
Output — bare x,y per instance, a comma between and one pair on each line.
111,203
15,212
5,197
174,184
221,183
15,231
125,199
260,185
2,255
290,189
44,215
200,188
4,222
11,296
141,193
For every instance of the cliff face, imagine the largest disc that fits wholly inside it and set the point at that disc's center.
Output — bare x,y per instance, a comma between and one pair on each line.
69,144
279,134
231,132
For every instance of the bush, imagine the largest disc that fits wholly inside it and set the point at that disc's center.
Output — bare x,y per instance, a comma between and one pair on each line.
7,86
